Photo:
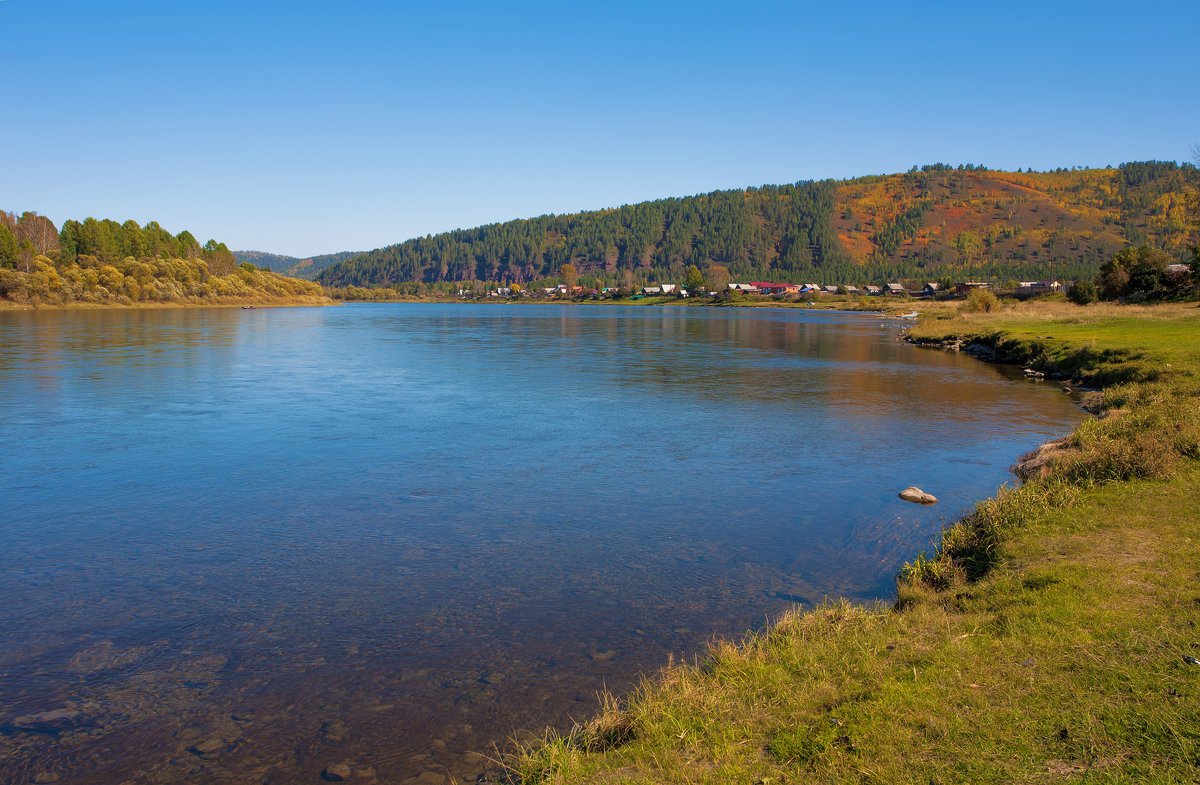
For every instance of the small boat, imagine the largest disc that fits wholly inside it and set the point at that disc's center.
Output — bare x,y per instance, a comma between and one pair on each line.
247,307
912,315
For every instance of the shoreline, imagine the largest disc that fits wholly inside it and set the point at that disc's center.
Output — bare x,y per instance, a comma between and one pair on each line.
933,591
300,302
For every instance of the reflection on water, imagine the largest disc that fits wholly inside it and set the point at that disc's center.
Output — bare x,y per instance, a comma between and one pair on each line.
241,546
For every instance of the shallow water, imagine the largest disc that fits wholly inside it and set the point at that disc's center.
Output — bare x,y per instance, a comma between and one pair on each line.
240,546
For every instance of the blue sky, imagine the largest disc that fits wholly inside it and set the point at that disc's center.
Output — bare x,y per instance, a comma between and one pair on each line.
308,127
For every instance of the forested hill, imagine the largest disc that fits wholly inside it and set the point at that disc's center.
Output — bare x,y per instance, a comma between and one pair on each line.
930,222
307,268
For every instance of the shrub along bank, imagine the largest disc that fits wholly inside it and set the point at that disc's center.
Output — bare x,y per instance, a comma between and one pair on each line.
148,281
1052,636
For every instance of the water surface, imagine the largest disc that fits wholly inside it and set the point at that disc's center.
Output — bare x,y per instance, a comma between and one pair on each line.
242,545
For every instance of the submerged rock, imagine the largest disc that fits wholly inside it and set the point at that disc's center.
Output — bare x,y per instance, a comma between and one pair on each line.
917,496
208,747
335,730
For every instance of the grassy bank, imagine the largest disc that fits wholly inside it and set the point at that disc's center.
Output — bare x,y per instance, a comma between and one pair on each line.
1052,636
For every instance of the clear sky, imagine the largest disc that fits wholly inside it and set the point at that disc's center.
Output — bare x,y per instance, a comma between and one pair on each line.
312,127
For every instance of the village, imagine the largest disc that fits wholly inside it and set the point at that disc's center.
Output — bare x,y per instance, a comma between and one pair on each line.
931,290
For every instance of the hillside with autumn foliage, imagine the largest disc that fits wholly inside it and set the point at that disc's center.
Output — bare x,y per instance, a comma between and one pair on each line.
932,222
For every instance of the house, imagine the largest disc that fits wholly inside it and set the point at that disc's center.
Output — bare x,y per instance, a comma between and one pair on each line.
1178,270
852,290
830,290
931,289
962,287
766,287
744,288
894,288
1037,287
652,291
776,288
872,290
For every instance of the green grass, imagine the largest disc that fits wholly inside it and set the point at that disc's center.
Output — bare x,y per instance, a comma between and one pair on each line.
1142,342
1044,641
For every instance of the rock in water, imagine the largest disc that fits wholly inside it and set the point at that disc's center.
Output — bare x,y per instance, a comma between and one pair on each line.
917,496
336,772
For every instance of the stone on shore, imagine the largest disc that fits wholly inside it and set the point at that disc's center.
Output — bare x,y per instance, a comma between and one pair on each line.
1040,463
917,496
336,772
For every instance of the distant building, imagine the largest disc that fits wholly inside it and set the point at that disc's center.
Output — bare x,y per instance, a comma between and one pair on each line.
962,287
894,288
872,290
1033,288
766,287
931,289
665,288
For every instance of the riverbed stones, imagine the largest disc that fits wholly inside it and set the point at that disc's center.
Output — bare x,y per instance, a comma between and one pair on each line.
336,772
917,496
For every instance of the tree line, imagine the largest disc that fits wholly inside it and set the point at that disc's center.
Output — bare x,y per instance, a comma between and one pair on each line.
102,261
28,235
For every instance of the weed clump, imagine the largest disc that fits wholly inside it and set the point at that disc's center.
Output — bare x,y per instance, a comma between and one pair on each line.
982,301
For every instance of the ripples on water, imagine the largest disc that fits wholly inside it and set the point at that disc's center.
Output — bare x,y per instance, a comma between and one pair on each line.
243,545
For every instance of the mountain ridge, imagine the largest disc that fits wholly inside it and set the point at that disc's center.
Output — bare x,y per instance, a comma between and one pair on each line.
306,267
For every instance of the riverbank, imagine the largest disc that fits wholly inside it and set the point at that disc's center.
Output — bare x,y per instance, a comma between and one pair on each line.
881,305
1053,634
233,302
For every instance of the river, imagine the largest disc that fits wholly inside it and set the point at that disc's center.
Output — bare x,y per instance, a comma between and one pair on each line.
244,545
